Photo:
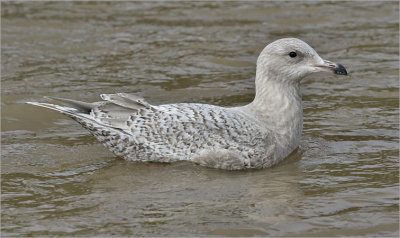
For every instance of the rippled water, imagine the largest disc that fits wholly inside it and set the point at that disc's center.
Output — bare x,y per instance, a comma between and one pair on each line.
58,180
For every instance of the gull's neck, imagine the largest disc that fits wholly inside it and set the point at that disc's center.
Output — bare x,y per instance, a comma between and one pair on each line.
277,106
276,95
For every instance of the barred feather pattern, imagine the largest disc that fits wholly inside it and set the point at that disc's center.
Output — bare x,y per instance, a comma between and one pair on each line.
209,135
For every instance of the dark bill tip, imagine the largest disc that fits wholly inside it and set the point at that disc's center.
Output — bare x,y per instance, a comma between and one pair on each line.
340,70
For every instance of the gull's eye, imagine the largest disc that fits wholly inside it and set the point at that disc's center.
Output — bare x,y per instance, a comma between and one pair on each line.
292,54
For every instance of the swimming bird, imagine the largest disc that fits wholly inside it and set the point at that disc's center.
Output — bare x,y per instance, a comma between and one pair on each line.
257,135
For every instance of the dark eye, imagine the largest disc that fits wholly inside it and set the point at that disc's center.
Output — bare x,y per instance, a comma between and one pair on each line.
292,54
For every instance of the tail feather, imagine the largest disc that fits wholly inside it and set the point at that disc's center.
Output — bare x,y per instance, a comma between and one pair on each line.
82,118
83,107
114,111
69,111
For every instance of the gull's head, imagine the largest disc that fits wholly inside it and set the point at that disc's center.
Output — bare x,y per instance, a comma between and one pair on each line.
290,59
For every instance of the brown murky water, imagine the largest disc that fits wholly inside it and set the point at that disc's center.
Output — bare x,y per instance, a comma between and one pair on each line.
57,180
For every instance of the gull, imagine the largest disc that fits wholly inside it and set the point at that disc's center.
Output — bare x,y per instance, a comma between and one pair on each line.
257,135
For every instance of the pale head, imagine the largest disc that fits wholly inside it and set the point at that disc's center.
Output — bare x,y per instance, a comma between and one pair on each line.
290,59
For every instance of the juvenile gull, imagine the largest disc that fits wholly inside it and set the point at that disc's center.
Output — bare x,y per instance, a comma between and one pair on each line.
257,135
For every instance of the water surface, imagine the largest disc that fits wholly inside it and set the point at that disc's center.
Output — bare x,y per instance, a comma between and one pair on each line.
57,180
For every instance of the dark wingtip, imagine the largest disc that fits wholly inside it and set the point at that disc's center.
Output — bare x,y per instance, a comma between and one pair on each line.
83,107
340,70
